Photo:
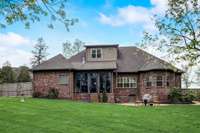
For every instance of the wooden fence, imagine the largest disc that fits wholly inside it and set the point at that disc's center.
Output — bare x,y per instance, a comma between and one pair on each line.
16,89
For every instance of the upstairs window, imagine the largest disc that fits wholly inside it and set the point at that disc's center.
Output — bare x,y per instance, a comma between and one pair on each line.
96,53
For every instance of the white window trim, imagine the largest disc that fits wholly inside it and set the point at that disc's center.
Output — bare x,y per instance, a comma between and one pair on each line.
126,80
63,75
96,49
153,80
159,81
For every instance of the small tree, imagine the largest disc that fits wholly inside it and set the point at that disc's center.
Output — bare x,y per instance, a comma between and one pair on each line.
39,52
70,49
24,75
7,74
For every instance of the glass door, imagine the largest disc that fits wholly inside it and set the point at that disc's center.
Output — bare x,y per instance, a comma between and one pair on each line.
93,78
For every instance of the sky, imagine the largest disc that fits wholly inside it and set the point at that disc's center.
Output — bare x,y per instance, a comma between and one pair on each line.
100,22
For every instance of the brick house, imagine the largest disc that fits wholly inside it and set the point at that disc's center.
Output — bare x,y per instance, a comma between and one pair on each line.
124,73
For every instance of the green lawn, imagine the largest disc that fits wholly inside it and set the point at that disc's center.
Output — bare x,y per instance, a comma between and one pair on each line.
61,116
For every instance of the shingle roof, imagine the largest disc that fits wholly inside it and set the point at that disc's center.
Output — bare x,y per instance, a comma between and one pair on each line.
58,62
133,59
130,59
102,45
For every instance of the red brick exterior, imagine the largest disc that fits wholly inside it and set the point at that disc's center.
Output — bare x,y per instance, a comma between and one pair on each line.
93,97
42,81
124,95
159,94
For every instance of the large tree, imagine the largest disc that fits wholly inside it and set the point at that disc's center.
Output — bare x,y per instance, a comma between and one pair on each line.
178,31
31,11
7,74
181,28
70,49
178,34
24,75
39,52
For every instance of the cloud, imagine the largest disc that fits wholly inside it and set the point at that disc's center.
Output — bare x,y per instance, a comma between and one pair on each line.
128,15
160,6
11,45
135,15
13,39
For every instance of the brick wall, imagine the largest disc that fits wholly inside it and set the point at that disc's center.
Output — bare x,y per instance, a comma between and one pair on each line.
159,94
43,81
93,97
124,95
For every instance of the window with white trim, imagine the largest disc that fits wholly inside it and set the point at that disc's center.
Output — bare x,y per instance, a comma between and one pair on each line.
63,79
168,81
155,80
148,81
159,81
126,82
96,53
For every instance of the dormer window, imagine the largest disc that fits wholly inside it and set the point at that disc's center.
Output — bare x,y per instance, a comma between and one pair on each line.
96,53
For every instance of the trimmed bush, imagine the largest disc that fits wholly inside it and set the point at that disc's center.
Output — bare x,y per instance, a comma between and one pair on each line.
198,97
104,97
36,94
53,93
188,98
175,95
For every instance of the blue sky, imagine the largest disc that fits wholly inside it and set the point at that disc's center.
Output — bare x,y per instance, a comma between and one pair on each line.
100,21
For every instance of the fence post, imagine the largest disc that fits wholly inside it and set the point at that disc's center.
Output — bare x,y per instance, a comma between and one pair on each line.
19,89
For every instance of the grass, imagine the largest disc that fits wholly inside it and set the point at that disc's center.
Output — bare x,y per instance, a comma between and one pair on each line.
61,116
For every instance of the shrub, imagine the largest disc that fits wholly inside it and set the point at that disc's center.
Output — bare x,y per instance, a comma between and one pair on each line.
99,98
175,95
104,97
188,98
197,96
53,93
37,94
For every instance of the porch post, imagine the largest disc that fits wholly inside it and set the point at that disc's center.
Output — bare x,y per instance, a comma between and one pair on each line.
98,82
88,82
71,83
